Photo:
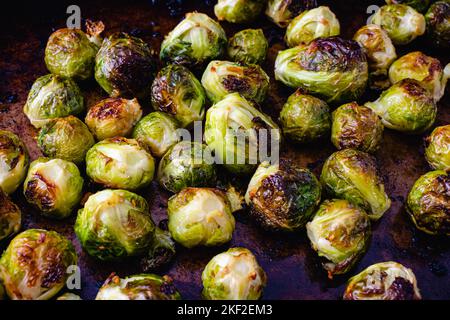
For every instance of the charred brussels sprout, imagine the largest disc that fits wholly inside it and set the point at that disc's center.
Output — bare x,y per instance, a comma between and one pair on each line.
239,11
419,5
13,161
161,251
34,266
438,23
428,203
10,217
120,163
248,46
437,150
178,92
69,296
352,175
233,275
332,68
52,97
282,12
383,281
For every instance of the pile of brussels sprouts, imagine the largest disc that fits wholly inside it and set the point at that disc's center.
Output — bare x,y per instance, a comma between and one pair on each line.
122,152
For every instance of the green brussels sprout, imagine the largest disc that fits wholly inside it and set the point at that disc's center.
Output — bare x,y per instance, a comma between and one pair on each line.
224,77
437,151
194,41
34,266
54,186
438,23
305,118
138,287
402,23
52,97
69,296
232,130
312,24
383,281
120,163
185,165
200,217
160,253
281,12
65,138
352,175
115,224
233,275
10,217
248,46
340,233
419,5
406,106
14,161
238,11
113,117
178,92
356,127
428,203
332,68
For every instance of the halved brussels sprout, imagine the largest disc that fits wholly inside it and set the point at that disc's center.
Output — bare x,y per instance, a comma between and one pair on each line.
419,5
282,12
161,251
52,97
332,68
200,217
428,203
437,150
178,92
120,163
13,161
69,296
352,175
238,11
34,266
233,275
224,77
438,23
194,41
113,117
383,281
10,217
248,46
406,106
356,127
340,233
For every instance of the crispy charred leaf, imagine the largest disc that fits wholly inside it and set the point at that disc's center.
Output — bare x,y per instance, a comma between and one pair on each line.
438,23
161,252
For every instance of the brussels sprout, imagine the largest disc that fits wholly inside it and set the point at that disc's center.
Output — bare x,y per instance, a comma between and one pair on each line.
120,163
115,224
340,233
402,23
34,266
305,118
10,217
52,97
223,77
238,11
282,12
232,130
438,23
312,24
332,68
160,253
124,66
113,117
69,296
13,161
356,127
419,5
65,138
233,275
428,203
352,175
138,287
383,281
248,46
194,41
406,106
437,150
178,92
200,217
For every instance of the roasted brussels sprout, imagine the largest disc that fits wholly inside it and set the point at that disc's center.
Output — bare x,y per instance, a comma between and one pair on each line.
406,106
437,151
52,97
340,233
312,24
34,266
332,68
438,23
194,41
356,127
114,224
419,5
248,46
10,217
223,77
383,281
200,217
178,92
69,296
352,175
238,11
233,275
160,253
138,287
120,163
113,117
428,203
13,161
282,12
